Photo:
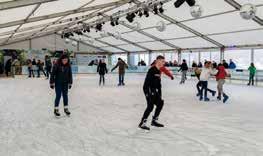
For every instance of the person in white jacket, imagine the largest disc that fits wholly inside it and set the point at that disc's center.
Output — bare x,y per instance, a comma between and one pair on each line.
206,72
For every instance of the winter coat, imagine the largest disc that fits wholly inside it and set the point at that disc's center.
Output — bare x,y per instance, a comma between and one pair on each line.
221,74
252,70
48,64
232,65
183,67
102,69
122,66
61,74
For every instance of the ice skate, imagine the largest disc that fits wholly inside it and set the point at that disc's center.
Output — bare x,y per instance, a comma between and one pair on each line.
213,93
143,126
67,112
155,123
225,98
206,99
56,113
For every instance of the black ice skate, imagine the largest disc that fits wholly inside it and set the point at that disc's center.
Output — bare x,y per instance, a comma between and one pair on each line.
67,112
225,98
142,125
155,123
56,113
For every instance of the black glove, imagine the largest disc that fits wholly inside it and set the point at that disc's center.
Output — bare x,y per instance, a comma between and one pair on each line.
172,78
69,86
52,86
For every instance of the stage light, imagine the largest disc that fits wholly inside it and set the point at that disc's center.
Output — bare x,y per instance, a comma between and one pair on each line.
146,12
98,27
155,10
161,26
190,2
178,3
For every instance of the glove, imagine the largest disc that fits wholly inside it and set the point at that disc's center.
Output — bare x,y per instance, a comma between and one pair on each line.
69,86
172,78
52,86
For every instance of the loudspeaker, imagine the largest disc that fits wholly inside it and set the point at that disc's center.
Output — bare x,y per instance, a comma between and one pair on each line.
191,2
178,3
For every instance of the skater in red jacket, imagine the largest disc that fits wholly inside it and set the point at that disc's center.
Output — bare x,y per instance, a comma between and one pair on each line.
164,70
220,78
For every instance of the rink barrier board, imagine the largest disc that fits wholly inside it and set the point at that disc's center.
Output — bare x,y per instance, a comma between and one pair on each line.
238,74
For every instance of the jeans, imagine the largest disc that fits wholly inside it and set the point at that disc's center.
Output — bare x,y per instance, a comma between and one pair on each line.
30,72
38,72
184,72
204,85
251,79
220,84
121,79
48,72
61,89
199,87
102,79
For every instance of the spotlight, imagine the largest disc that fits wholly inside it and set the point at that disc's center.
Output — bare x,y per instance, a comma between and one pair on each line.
155,9
117,21
161,10
146,12
130,17
98,27
190,2
112,23
178,3
140,14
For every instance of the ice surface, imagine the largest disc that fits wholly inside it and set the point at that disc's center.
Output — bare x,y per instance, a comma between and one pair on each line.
104,120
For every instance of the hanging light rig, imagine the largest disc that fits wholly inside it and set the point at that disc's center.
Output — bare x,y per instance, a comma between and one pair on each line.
137,10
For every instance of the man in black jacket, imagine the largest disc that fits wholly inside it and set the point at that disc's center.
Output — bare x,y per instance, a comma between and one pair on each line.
153,93
184,69
102,70
61,80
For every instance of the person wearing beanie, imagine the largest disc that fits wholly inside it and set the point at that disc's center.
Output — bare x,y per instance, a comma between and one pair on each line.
61,79
122,66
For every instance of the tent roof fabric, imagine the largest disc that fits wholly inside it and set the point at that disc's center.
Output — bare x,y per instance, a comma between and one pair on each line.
219,26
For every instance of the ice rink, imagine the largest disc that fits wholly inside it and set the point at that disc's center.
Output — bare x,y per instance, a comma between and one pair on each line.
104,120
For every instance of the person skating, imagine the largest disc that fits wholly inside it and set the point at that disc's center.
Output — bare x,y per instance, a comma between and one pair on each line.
40,68
48,66
153,94
184,69
122,66
30,68
220,78
102,70
199,85
204,77
61,80
252,71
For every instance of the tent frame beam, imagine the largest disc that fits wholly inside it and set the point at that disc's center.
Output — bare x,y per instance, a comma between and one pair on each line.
21,3
65,13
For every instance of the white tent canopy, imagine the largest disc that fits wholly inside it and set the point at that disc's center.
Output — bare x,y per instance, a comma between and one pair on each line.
220,25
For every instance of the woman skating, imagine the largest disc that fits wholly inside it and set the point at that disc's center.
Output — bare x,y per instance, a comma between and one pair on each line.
220,78
61,80
102,70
